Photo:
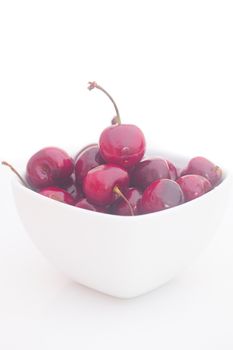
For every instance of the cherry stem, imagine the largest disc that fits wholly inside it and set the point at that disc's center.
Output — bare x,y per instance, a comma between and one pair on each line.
94,85
120,194
16,172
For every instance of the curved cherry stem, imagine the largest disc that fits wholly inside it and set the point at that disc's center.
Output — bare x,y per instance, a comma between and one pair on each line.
16,172
94,85
120,194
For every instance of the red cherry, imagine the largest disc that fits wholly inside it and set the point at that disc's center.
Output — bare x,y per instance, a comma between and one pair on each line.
48,167
84,204
86,160
121,144
58,194
161,194
193,186
120,207
103,183
84,148
202,166
172,170
149,171
72,188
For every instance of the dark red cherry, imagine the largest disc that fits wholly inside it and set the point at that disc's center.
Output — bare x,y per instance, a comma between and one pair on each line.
84,204
204,167
161,194
121,207
48,167
149,171
102,184
172,170
57,194
193,186
72,188
121,144
84,148
86,160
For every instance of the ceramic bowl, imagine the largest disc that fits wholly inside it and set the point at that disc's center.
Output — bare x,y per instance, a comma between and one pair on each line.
121,256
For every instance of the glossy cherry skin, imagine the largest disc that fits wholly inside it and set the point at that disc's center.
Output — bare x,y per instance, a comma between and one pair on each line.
120,207
48,167
122,144
84,204
149,171
193,186
99,183
72,188
172,170
204,167
86,160
58,194
84,148
161,194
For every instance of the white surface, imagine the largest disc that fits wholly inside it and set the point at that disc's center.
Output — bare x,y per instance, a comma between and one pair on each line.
122,256
169,65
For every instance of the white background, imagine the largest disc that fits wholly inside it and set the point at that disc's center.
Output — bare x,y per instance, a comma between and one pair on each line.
169,66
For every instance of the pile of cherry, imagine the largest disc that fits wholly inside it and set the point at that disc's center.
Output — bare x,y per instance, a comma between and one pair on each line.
111,177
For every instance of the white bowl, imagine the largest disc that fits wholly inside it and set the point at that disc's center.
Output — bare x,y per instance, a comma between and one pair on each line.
121,256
